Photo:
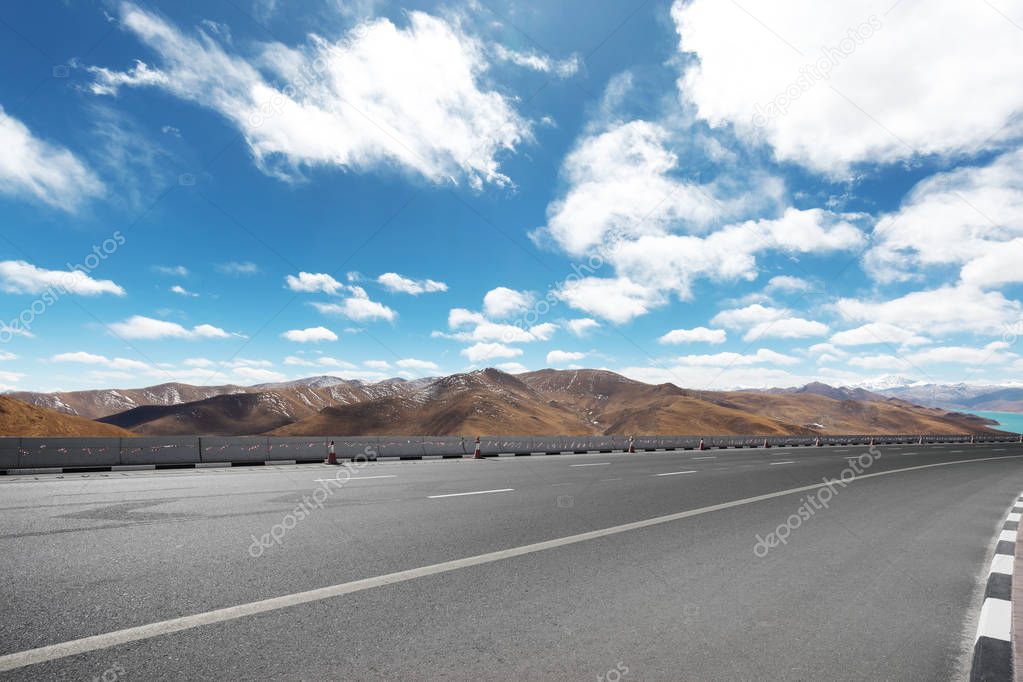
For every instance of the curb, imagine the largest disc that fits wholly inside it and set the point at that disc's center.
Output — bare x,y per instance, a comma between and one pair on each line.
992,649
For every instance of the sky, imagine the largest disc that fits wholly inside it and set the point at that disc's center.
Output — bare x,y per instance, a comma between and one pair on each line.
713,194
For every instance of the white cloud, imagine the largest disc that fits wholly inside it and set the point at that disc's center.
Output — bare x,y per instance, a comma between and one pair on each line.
877,332
460,317
172,270
695,335
140,327
381,96
82,357
581,326
399,284
947,309
617,300
881,362
238,268
380,365
991,354
739,318
418,365
503,302
786,328
311,283
358,309
296,361
481,352
512,367
19,277
335,362
38,169
182,291
537,62
560,357
787,284
258,375
728,359
310,335
824,61
970,218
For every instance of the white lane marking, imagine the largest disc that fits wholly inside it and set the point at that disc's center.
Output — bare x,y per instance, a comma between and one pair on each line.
995,619
557,485
789,462
1002,563
353,478
475,492
951,451
676,473
907,454
1007,536
1013,517
74,647
593,464
610,479
712,457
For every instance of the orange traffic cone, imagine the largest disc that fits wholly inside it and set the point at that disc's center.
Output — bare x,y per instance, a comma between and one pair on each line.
331,454
817,441
477,454
766,444
632,446
701,444
921,441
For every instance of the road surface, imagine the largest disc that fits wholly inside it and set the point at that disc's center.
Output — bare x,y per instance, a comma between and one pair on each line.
666,565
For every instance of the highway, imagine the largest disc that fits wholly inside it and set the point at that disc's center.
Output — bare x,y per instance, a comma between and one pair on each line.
690,565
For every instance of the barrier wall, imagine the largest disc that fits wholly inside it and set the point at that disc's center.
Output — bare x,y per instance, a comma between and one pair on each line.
40,453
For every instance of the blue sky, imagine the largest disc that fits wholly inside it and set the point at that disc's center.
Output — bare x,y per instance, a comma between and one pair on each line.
712,194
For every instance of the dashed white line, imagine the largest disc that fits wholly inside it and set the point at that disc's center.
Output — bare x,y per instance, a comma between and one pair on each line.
353,478
593,464
907,454
558,485
475,492
675,473
789,462
711,457
610,479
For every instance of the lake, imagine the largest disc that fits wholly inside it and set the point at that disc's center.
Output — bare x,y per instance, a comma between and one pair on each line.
1010,421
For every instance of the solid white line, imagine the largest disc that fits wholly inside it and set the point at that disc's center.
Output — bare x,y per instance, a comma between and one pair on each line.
995,619
705,457
951,451
789,462
610,479
676,473
1002,563
475,492
594,464
907,454
141,632
353,478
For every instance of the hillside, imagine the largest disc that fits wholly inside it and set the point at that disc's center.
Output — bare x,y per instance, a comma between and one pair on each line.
236,414
21,419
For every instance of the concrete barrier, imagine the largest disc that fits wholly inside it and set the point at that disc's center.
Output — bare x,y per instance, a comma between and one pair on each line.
356,447
159,450
9,452
448,446
240,449
286,449
69,453
404,447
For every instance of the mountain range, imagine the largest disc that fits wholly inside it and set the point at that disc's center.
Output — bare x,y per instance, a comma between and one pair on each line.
489,401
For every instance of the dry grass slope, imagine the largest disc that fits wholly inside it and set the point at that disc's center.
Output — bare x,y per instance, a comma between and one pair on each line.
21,419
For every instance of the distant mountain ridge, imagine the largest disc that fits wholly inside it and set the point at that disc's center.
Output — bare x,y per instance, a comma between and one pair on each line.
488,401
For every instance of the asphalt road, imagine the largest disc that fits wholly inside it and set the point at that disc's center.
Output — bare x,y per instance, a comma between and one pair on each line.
650,566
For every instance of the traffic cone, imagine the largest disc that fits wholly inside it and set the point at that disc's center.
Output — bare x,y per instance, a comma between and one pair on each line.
766,444
701,444
477,454
972,440
632,446
331,454
921,441
817,441
871,441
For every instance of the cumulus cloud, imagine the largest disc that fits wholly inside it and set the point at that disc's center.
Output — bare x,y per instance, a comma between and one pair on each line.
418,365
821,62
482,352
877,332
560,357
382,96
238,268
37,169
786,328
535,61
399,284
695,335
311,283
259,375
20,277
617,300
969,219
141,327
582,326
944,310
310,335
182,291
503,302
85,358
728,359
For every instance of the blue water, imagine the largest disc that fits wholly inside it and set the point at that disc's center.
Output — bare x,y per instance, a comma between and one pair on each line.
1010,421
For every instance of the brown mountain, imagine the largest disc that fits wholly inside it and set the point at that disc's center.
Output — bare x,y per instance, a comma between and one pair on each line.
235,414
21,419
580,402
